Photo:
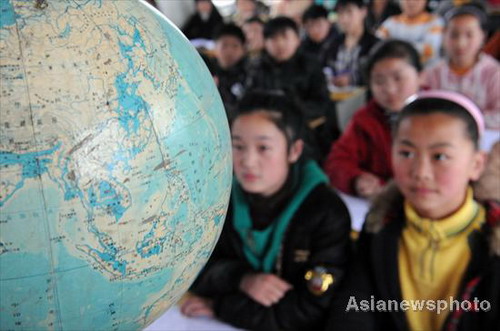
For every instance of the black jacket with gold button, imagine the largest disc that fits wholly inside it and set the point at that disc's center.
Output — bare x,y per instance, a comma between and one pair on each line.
316,244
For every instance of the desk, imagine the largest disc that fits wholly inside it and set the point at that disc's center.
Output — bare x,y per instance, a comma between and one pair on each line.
173,320
339,94
358,208
348,102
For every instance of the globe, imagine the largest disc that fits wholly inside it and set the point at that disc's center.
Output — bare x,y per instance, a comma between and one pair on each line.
115,164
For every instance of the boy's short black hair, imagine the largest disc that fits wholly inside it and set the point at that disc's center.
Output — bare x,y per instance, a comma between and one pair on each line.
428,106
314,12
229,30
343,3
283,111
279,25
392,49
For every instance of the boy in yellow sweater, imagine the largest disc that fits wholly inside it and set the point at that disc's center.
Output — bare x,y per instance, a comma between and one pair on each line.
429,255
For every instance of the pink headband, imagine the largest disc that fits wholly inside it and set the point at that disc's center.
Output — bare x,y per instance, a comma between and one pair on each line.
457,98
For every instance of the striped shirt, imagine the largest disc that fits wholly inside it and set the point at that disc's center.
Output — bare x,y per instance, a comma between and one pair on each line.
481,84
423,31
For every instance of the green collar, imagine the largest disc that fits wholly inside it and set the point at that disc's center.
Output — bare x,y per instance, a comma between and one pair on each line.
261,248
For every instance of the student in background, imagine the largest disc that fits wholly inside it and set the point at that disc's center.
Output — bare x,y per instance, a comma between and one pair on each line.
378,12
285,242
348,51
443,6
427,239
417,26
246,9
284,67
293,9
319,32
254,34
204,22
229,67
359,162
466,68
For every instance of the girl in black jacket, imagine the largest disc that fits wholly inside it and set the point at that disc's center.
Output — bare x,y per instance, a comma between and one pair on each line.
285,243
203,23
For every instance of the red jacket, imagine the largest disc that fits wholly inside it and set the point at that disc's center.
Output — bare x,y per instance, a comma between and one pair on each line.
365,146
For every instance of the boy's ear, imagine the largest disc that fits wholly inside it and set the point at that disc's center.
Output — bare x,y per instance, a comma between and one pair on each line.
295,151
478,165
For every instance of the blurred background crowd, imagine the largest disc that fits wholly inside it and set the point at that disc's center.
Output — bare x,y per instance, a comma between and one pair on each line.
318,52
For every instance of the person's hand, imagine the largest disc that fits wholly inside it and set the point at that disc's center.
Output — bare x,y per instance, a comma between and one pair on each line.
367,185
196,306
266,289
342,80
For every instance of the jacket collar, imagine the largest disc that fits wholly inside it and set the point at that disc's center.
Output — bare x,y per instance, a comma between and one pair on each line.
387,222
236,69
270,62
382,213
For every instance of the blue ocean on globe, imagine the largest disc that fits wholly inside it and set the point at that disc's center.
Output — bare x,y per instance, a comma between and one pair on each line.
115,164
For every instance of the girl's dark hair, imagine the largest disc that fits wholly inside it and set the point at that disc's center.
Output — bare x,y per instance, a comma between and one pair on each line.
282,110
473,9
392,49
429,106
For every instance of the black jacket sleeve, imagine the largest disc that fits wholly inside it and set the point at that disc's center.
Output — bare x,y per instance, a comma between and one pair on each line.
225,268
317,100
346,312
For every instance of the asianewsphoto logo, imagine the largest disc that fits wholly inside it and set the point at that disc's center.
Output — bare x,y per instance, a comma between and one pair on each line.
438,306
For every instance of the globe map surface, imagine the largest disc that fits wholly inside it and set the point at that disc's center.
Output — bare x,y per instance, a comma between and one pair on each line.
114,164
